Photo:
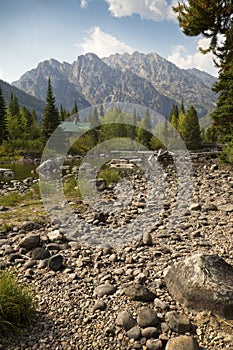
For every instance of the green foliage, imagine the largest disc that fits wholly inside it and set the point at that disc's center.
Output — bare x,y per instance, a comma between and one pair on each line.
144,134
209,18
50,120
17,308
227,154
3,122
109,175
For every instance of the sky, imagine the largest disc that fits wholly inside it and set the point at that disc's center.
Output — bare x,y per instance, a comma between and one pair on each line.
32,31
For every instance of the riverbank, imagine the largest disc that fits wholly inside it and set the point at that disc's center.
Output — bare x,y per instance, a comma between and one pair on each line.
81,295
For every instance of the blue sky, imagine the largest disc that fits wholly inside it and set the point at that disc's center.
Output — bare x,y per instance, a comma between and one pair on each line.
32,31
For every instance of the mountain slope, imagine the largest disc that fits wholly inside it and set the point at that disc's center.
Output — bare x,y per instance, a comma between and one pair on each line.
24,99
192,85
148,80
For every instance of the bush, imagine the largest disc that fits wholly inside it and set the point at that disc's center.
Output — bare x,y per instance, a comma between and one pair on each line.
17,308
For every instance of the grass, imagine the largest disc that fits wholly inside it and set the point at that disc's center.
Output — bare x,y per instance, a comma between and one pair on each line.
17,308
111,176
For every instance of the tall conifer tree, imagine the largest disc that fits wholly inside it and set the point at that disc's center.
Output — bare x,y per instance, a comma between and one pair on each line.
50,120
3,127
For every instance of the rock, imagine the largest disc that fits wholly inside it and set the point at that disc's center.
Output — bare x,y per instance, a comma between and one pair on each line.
147,317
29,242
3,208
125,320
55,236
150,332
195,206
134,333
155,344
55,262
183,342
202,282
147,239
159,304
138,292
178,323
30,226
105,289
99,305
40,254
226,207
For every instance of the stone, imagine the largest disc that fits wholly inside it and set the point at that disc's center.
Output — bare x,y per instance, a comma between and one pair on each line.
202,282
55,236
178,323
155,344
30,226
55,262
138,292
183,342
147,317
195,206
40,254
150,332
147,239
105,289
134,333
99,305
159,304
29,242
125,320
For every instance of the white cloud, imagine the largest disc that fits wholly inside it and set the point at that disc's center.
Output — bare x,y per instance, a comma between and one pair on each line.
1,74
157,10
84,3
103,44
183,59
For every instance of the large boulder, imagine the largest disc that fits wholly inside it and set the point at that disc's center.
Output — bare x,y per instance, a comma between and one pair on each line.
203,282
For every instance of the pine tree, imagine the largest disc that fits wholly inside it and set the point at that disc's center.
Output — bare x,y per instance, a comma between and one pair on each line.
174,113
101,111
191,132
14,121
3,121
50,120
75,108
223,115
145,130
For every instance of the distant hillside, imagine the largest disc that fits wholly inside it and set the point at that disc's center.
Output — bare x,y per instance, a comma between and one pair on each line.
24,98
147,80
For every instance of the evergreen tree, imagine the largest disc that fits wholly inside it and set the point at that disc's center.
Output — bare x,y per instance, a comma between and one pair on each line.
14,121
95,126
223,115
144,132
191,132
3,121
50,120
101,111
174,113
75,108
182,109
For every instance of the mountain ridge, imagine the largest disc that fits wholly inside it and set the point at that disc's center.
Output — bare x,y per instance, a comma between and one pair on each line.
146,79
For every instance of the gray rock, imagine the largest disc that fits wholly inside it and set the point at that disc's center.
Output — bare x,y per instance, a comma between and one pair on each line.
55,262
99,305
125,320
150,332
40,254
29,242
139,292
147,317
134,333
154,344
159,304
147,239
203,282
105,289
195,206
30,226
178,323
55,236
183,342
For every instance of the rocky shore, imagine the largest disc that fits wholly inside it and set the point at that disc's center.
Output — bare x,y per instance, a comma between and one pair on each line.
118,296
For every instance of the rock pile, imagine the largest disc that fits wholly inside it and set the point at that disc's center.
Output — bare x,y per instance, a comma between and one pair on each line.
135,295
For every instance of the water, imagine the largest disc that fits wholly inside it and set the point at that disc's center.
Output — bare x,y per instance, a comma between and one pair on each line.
21,171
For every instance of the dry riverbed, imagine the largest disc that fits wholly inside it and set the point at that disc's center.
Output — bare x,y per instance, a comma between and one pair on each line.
115,296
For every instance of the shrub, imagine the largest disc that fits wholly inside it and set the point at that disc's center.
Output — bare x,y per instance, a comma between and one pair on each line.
17,308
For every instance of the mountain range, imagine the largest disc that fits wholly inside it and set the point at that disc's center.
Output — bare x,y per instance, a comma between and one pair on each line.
145,79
